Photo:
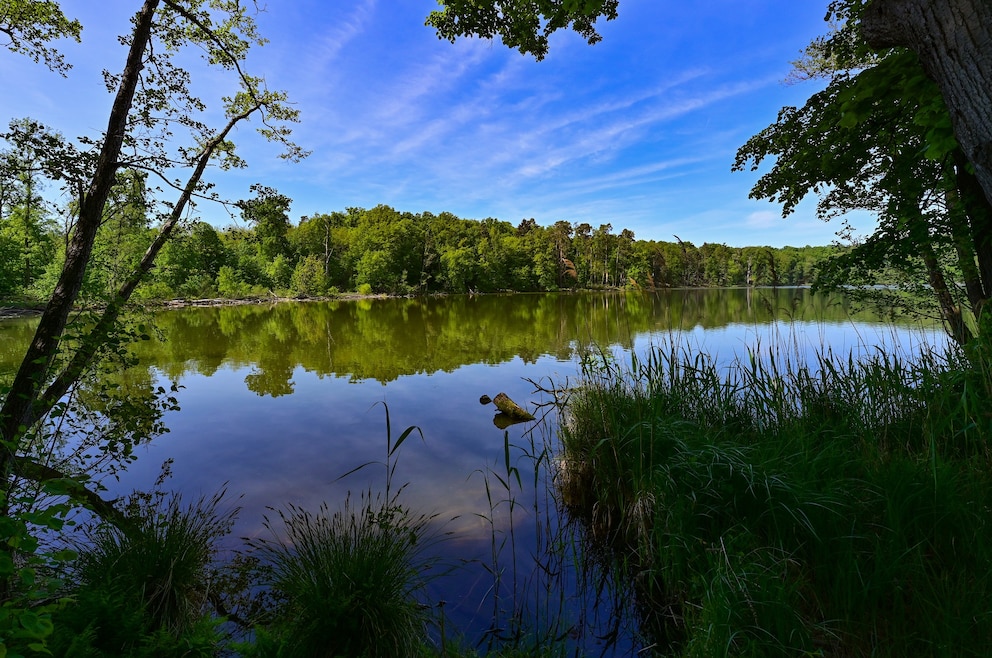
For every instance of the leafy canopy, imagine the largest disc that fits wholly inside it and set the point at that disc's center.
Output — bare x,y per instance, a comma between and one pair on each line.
26,27
521,24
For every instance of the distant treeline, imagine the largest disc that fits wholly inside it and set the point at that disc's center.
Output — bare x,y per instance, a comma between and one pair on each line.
378,250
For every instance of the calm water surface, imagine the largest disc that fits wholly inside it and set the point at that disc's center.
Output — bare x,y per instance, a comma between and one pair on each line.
278,402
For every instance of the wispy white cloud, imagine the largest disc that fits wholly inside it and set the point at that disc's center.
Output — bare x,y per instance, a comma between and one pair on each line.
762,220
325,50
605,138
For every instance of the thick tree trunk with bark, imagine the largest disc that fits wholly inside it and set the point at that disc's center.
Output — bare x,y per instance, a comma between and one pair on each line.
953,39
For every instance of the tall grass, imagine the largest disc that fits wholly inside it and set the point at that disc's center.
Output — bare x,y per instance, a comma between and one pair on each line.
775,506
545,599
347,582
143,589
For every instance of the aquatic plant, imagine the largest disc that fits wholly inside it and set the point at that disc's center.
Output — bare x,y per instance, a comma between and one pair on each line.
346,582
777,505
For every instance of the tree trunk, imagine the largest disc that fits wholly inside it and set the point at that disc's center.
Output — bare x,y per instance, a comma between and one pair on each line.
963,247
979,211
956,326
953,39
18,406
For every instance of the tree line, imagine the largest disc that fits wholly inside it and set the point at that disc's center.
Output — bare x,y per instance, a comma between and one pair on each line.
376,250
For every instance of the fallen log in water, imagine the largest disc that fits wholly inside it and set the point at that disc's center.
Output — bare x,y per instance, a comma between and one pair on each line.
511,408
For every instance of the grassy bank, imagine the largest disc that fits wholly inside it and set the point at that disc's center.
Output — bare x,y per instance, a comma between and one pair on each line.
775,507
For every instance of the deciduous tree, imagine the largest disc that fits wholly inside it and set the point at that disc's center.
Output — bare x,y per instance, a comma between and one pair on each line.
521,24
879,138
268,214
152,103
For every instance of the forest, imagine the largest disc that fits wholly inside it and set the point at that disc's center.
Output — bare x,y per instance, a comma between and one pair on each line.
377,250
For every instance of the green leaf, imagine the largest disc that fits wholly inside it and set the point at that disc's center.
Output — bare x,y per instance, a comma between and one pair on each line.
36,625
849,119
6,564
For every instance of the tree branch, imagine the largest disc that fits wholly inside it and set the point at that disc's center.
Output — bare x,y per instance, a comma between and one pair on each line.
96,337
41,473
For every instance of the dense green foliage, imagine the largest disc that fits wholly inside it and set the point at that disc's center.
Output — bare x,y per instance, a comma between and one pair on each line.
524,25
779,508
380,250
878,138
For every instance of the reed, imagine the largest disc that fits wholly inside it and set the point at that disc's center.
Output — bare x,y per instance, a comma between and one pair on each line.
778,505
349,582
545,599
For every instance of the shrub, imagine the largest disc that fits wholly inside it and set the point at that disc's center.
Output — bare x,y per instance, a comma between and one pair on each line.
229,283
308,277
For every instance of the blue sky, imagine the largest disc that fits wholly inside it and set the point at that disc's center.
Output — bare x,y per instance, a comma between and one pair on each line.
638,131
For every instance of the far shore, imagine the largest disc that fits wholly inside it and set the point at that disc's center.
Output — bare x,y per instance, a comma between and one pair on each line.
10,310
13,312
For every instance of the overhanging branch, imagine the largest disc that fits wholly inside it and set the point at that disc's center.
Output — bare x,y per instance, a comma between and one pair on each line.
41,473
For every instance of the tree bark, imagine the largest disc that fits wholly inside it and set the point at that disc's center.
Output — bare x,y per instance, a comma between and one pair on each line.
953,39
979,211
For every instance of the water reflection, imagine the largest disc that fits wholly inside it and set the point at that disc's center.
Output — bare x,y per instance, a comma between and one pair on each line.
279,401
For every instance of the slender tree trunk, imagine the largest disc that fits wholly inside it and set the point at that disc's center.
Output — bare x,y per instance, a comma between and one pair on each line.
327,249
17,409
27,232
960,235
920,237
952,312
108,319
953,39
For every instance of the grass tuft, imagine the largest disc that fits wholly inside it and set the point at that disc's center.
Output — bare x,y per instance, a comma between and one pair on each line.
347,582
143,589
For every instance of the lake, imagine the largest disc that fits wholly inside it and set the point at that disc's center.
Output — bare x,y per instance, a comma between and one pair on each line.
279,401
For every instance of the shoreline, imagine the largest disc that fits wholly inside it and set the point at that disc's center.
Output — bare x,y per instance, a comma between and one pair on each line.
27,311
15,312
